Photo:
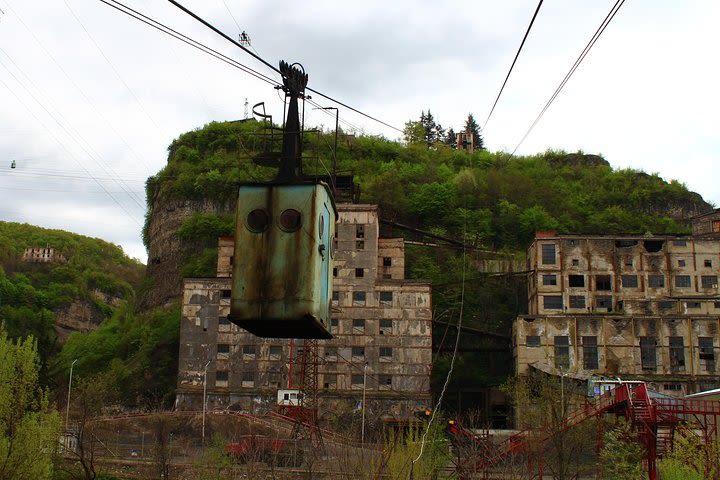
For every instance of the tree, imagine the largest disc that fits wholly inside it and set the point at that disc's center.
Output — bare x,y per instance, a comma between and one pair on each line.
451,138
29,428
621,456
471,126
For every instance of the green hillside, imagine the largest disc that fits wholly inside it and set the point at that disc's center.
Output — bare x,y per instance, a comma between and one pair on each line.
33,294
491,201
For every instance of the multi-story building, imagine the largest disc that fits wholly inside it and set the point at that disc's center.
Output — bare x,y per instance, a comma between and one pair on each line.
707,224
631,306
381,329
45,254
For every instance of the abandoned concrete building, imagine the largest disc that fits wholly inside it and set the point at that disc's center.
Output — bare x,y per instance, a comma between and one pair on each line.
45,254
707,225
635,307
381,326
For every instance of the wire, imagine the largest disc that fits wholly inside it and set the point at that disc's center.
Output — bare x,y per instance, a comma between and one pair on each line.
581,57
219,32
185,39
216,30
513,63
452,363
122,80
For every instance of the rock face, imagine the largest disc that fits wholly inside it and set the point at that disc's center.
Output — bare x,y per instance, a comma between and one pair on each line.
79,316
166,251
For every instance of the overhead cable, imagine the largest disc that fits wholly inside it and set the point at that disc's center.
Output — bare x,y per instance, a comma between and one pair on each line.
581,57
513,64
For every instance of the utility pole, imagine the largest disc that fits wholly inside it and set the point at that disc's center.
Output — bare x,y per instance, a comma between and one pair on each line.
67,406
204,400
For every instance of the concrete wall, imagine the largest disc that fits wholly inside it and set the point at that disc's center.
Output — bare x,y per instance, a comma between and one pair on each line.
389,330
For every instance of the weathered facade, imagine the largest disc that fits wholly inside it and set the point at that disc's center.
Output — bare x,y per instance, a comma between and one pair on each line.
630,306
707,225
380,319
45,254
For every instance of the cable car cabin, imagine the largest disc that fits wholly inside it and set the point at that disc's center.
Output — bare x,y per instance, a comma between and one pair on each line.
282,266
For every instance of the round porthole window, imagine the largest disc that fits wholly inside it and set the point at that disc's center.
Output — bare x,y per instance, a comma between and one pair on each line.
258,220
290,220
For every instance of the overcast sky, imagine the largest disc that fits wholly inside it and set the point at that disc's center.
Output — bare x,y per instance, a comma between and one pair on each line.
91,98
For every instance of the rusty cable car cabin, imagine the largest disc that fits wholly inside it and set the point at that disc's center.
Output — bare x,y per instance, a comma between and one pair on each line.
282,270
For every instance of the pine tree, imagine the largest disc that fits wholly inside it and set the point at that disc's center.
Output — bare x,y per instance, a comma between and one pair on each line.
451,138
471,126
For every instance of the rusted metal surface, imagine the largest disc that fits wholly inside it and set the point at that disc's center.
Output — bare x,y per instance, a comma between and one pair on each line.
282,279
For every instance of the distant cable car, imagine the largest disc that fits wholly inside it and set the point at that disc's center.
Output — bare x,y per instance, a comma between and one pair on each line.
282,267
12,164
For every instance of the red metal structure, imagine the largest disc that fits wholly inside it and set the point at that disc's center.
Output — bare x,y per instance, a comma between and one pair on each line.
654,420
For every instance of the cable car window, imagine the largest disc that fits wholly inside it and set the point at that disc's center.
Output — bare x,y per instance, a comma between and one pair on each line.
257,220
290,220
321,227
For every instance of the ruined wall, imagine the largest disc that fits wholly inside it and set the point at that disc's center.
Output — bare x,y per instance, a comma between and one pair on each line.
707,225
382,322
655,348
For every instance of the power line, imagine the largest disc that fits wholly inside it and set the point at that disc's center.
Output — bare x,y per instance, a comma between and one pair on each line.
581,57
119,6
513,63
265,62
117,74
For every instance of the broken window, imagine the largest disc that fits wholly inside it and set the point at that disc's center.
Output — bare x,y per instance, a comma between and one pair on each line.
625,243
358,325
358,353
629,281
226,293
590,353
709,281
532,341
221,377
692,305
562,352
552,302
359,231
358,299
359,245
386,353
330,353
359,272
576,280
248,379
549,279
548,254
656,281
223,320
681,262
329,381
335,271
386,299
577,301
356,381
682,281
387,262
248,351
223,348
603,302
575,262
603,282
679,243
384,382
707,353
275,352
335,297
628,261
334,322
677,353
647,353
386,326
573,242
708,263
